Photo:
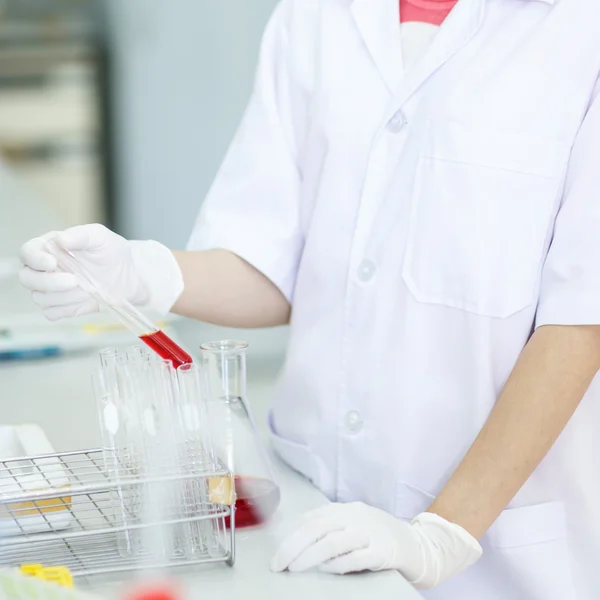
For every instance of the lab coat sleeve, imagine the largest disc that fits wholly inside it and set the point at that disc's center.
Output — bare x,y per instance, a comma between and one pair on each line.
252,209
570,286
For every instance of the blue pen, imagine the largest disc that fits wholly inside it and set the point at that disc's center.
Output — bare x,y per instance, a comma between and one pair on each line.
30,353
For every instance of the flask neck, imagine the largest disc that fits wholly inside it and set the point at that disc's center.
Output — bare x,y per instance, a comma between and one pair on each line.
226,367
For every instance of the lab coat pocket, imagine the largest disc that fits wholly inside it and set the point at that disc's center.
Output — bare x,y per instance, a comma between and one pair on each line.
296,455
531,542
481,217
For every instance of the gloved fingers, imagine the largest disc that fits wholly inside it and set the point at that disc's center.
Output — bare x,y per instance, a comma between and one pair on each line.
304,537
330,547
70,297
354,562
43,281
82,237
55,313
33,254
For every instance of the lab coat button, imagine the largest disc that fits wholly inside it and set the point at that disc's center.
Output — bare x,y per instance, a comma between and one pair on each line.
397,122
353,422
366,270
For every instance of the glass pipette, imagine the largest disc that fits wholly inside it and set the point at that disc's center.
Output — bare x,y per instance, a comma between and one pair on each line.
149,333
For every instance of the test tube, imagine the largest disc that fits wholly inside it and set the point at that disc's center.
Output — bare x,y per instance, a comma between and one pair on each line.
199,458
111,425
161,504
194,413
147,331
125,376
138,352
187,422
108,357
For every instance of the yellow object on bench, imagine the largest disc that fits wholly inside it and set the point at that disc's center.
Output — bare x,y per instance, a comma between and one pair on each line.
59,575
32,570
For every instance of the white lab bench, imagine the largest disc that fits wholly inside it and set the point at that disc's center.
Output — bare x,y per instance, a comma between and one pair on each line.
57,394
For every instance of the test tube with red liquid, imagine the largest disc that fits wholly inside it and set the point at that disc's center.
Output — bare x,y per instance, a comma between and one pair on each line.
236,439
131,317
166,348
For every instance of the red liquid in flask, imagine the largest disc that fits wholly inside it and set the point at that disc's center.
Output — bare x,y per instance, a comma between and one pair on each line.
166,348
257,500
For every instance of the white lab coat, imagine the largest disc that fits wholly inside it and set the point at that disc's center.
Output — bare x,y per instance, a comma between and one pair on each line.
423,224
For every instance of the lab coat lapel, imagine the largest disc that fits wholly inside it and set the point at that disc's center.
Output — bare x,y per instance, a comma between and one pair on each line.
458,29
378,22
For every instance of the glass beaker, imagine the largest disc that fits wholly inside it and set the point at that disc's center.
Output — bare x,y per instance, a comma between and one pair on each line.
235,437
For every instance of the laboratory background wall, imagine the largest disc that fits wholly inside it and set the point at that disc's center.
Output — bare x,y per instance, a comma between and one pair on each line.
183,72
118,111
121,111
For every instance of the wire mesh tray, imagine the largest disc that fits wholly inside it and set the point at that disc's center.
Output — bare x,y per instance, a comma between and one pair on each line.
93,525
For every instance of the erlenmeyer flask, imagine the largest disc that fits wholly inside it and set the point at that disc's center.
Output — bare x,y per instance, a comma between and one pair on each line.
236,439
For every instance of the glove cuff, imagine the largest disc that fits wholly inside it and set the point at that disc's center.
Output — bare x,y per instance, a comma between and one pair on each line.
448,548
160,273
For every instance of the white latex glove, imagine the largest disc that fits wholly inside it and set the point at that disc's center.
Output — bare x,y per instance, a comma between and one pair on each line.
349,538
145,273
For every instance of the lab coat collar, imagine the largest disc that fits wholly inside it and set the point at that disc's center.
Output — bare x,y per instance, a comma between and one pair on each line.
378,23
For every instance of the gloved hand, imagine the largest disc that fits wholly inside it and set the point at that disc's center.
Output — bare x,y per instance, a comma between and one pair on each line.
145,273
348,538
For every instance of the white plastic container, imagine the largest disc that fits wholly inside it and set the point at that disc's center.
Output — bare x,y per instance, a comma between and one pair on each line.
41,475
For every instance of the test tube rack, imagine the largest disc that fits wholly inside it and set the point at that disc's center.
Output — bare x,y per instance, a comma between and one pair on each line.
92,545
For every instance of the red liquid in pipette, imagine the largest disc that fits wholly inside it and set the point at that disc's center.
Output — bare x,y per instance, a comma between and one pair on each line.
166,348
257,500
